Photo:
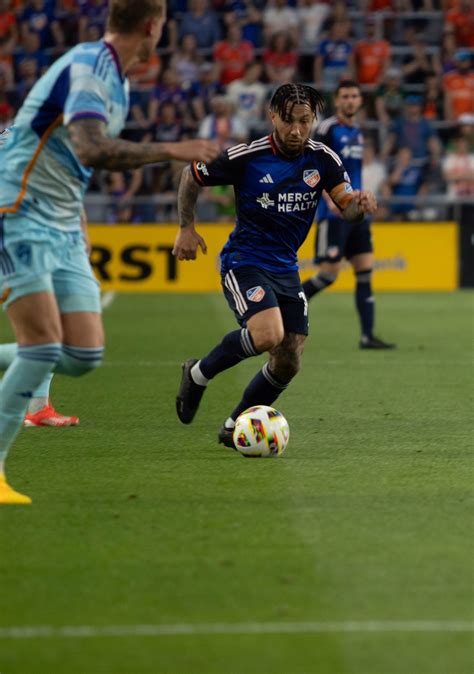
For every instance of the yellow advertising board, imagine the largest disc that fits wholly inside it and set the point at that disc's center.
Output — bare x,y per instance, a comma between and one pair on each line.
408,256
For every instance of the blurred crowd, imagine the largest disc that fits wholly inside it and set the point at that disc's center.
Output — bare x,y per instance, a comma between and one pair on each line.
220,60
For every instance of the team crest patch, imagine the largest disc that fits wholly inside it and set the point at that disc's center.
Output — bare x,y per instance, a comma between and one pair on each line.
256,294
311,177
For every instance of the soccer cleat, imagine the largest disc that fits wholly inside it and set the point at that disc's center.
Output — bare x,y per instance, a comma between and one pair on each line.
9,496
47,416
189,394
226,437
375,343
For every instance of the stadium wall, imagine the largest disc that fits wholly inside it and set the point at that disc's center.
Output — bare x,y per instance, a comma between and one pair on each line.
409,256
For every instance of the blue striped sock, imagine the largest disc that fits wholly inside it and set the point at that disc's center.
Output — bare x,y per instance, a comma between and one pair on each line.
78,360
7,356
29,368
235,346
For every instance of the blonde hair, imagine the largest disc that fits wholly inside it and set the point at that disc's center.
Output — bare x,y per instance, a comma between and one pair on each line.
128,16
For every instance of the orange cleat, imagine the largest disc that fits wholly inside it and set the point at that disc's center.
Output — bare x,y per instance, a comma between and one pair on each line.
48,416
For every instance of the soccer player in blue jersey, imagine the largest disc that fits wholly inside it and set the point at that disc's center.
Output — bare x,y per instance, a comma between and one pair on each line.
336,237
67,126
278,181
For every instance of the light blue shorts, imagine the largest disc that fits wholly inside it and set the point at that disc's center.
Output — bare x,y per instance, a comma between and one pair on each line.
35,258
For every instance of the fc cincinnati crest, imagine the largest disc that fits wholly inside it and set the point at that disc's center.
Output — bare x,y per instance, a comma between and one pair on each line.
256,294
311,177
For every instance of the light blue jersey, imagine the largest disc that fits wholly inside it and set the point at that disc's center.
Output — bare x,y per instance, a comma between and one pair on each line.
41,178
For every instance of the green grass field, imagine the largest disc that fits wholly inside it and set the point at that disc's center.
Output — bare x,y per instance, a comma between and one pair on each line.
349,555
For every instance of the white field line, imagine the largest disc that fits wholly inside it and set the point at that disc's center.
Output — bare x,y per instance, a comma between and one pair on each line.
183,629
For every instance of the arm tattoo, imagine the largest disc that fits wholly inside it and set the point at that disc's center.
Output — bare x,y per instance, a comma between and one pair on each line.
95,150
188,192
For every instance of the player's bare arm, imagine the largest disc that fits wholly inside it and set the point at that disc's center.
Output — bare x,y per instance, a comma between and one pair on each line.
355,205
96,150
187,240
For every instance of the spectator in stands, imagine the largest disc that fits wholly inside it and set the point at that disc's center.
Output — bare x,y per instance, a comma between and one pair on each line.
311,17
248,95
223,125
433,107
8,27
458,169
232,55
38,17
166,128
405,180
93,13
374,175
335,57
6,115
201,22
30,61
372,56
466,129
144,76
168,90
186,61
389,97
411,130
121,187
461,18
6,66
280,60
418,63
448,52
249,15
278,17
203,91
458,86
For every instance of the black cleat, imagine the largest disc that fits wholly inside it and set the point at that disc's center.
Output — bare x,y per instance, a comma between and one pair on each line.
375,343
189,394
226,437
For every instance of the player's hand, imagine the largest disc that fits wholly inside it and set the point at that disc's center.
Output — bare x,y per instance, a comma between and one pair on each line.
366,201
196,150
187,242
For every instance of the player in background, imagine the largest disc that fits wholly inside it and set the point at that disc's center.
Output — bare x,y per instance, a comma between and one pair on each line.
278,181
336,237
67,126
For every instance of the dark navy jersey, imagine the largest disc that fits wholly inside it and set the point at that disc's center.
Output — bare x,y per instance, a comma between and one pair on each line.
348,143
276,199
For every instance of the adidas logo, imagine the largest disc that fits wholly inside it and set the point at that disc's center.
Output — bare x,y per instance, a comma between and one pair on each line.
266,179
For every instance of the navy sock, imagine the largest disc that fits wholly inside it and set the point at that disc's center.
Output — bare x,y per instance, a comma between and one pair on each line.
317,283
264,389
365,302
235,346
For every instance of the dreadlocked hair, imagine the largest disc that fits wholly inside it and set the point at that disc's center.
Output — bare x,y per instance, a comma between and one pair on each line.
288,95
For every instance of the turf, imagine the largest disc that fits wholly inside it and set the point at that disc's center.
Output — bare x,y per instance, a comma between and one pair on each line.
137,519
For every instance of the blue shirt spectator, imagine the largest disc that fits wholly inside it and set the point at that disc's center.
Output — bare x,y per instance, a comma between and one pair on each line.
202,23
413,131
335,57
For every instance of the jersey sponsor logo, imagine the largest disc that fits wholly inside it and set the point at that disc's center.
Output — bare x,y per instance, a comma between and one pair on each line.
255,294
266,179
201,166
311,177
288,202
265,200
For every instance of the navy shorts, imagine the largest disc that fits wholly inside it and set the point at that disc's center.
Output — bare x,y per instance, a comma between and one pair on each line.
249,290
336,238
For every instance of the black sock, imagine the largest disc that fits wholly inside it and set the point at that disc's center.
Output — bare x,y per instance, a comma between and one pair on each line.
264,389
365,302
317,283
235,346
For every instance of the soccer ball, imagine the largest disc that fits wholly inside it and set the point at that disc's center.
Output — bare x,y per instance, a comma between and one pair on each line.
261,431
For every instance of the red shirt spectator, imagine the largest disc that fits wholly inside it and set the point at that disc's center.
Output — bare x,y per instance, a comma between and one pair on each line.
458,86
233,54
280,60
462,20
371,57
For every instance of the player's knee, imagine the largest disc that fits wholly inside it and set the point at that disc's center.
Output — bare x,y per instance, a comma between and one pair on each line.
77,361
268,339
